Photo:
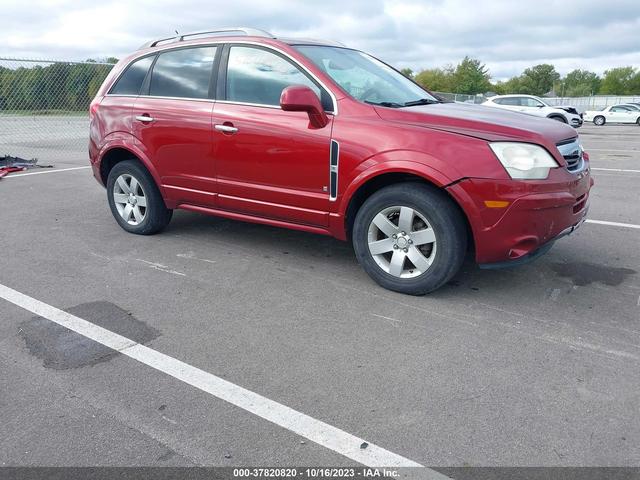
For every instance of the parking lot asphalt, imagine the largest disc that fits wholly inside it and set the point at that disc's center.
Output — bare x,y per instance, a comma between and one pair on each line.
532,366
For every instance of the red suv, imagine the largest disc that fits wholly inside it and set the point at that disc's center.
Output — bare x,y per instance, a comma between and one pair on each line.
317,137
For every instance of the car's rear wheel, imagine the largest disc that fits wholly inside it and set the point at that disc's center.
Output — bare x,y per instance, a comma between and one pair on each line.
134,199
599,120
638,121
410,238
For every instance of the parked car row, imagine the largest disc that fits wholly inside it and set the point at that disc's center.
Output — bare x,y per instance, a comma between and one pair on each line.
623,113
536,106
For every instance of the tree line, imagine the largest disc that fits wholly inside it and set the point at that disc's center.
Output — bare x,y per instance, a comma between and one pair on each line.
72,86
472,77
54,87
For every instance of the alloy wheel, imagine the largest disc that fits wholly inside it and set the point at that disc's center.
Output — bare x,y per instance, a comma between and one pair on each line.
402,242
130,199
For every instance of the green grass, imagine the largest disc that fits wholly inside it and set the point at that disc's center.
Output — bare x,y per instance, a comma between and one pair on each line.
44,113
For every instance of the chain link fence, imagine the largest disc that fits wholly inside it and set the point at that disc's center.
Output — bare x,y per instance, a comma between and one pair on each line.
44,107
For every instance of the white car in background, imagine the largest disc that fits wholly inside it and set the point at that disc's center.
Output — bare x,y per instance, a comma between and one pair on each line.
613,114
536,106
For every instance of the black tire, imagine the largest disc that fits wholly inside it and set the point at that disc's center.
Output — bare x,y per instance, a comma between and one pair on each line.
156,215
599,120
442,215
558,118
638,121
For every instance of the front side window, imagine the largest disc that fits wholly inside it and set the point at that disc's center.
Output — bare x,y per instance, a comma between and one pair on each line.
531,102
366,78
183,73
255,75
131,80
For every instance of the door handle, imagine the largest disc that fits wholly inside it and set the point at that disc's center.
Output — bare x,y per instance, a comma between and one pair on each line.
225,128
144,118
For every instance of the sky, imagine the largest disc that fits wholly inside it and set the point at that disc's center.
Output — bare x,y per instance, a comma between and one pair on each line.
507,35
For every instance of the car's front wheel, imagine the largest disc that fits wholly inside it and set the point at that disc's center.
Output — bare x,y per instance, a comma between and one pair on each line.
134,199
410,238
599,120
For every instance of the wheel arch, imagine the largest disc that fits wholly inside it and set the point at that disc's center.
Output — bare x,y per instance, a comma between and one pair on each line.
359,192
555,115
115,153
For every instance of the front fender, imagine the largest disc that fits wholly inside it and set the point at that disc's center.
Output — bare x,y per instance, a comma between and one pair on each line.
389,163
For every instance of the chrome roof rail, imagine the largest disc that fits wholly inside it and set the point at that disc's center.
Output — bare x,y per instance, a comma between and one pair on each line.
249,32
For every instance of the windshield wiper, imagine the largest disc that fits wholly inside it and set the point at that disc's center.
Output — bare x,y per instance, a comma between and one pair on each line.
421,101
385,104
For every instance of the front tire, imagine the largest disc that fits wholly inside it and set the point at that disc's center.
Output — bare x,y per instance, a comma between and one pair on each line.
558,118
599,121
135,200
410,238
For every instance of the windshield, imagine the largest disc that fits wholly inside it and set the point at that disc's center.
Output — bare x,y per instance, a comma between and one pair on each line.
365,78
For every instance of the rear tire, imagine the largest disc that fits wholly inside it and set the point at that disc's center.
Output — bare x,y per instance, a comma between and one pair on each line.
135,200
430,238
599,121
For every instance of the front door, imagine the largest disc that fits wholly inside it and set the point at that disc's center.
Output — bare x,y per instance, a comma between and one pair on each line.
269,162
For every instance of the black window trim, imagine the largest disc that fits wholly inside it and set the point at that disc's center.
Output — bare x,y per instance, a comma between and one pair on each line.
220,66
146,83
221,92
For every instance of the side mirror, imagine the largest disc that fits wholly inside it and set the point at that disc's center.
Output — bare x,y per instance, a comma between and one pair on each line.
298,98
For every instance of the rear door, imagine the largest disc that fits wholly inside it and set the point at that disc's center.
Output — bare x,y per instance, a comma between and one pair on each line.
269,162
172,122
509,103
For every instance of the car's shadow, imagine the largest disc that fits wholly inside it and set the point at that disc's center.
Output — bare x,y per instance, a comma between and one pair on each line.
327,256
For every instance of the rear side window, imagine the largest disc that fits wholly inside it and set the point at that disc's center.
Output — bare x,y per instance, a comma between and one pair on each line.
184,73
508,101
258,76
131,80
620,109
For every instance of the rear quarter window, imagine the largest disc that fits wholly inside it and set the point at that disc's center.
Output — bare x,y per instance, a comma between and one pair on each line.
131,80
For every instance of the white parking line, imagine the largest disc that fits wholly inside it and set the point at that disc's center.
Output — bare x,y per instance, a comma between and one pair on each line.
609,150
14,175
615,170
315,430
613,224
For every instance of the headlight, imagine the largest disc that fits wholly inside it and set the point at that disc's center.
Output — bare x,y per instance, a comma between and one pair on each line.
524,161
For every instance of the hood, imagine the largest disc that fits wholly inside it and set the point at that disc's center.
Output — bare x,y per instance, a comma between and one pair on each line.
478,121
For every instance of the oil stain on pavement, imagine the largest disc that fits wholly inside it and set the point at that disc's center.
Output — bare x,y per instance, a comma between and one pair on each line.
62,349
582,274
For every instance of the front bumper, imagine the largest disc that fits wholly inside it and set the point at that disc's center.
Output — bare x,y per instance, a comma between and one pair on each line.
540,251
576,122
538,213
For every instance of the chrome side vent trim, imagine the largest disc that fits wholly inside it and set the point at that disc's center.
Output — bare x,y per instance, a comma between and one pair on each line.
333,170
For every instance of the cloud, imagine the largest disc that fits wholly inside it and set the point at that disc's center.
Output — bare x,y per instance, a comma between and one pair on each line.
507,35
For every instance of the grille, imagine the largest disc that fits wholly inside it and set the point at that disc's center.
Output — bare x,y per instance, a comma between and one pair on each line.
571,150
